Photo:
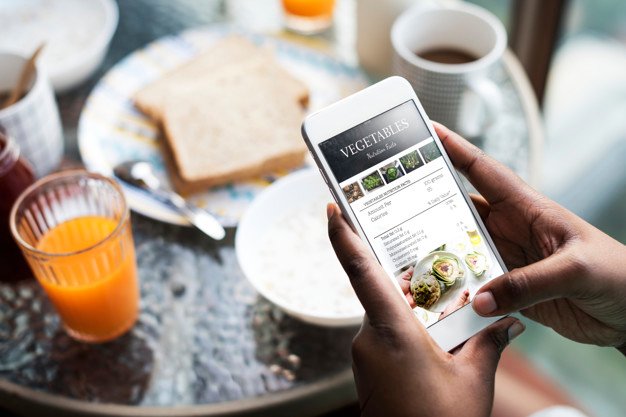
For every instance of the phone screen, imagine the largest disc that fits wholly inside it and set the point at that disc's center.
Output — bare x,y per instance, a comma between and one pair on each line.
411,210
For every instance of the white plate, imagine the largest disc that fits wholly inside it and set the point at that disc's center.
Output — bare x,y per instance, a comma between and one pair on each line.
470,281
290,195
425,264
112,130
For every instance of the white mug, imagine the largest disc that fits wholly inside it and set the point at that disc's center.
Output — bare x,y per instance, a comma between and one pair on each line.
33,122
459,95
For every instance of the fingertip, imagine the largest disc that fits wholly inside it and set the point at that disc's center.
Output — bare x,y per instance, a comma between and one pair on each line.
440,129
515,329
330,210
484,303
444,132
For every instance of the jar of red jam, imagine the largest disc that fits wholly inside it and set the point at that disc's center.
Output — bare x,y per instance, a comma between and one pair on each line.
15,176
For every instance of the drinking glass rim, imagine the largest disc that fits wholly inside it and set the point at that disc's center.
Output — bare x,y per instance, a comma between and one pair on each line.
53,177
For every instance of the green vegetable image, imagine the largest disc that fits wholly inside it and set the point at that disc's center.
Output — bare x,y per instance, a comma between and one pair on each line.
372,181
410,161
447,270
476,262
426,290
392,173
430,152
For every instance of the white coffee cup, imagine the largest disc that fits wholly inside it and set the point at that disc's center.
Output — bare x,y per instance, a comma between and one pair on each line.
33,122
459,95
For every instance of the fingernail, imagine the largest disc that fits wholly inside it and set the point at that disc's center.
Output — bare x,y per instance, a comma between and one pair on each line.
330,210
484,303
515,330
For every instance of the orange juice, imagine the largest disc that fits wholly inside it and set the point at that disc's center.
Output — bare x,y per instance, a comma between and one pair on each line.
308,16
90,275
309,8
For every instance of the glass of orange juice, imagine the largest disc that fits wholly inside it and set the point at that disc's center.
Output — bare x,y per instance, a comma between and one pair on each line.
74,230
308,16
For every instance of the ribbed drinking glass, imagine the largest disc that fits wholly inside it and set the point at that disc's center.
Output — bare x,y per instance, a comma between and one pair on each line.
74,230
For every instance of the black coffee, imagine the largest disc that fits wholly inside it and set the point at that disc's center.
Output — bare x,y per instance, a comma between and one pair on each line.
447,56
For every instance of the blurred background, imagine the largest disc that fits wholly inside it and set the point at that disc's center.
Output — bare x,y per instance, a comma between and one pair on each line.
583,108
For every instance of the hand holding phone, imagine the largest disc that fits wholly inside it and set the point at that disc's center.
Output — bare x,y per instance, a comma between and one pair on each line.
396,187
566,274
399,370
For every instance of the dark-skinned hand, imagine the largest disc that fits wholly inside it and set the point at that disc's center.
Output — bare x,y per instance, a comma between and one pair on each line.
564,273
398,369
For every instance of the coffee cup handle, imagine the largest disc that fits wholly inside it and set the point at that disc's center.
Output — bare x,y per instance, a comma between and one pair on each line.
491,97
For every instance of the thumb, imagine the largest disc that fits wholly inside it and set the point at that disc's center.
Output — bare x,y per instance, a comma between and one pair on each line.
483,350
521,288
381,299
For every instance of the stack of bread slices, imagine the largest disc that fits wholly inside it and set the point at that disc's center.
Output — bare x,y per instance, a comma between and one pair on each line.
232,113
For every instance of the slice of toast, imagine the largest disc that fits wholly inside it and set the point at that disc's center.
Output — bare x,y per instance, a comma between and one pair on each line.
232,134
233,57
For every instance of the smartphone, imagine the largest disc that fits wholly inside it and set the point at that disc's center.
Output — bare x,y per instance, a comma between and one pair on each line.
389,173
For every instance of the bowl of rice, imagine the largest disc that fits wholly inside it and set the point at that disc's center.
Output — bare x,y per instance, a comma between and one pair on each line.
284,251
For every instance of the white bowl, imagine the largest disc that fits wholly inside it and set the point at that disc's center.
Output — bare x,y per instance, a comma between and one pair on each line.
66,65
292,194
81,67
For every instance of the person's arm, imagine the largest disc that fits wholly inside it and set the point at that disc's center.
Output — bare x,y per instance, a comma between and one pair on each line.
564,273
399,370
